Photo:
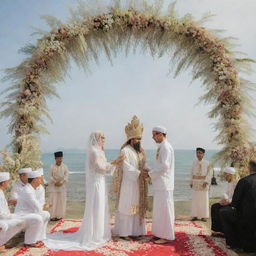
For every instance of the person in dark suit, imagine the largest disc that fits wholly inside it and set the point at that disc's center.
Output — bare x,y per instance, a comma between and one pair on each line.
239,218
229,174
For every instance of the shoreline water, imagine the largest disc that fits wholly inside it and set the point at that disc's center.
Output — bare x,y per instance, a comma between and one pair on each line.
183,162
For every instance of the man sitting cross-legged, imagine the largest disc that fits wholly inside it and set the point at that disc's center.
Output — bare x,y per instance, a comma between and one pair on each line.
238,219
13,223
28,202
18,185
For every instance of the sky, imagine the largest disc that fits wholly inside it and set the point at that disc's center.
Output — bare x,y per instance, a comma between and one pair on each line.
107,97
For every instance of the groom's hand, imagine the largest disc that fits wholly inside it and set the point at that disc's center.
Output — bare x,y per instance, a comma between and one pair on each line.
144,174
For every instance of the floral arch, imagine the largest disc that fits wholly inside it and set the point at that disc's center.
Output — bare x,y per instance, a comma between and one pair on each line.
186,41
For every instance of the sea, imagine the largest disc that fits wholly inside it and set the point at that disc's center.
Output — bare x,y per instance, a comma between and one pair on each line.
75,160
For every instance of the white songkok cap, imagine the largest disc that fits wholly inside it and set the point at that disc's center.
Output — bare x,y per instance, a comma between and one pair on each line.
34,174
40,170
230,170
24,170
4,176
160,129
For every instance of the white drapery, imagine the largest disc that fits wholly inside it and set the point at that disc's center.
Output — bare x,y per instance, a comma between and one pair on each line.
95,227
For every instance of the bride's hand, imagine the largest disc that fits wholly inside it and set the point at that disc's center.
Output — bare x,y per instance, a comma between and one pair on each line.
119,160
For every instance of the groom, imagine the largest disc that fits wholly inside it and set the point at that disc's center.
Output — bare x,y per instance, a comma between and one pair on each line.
162,176
131,185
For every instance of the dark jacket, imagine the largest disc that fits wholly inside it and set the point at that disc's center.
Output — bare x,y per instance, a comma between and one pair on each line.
244,198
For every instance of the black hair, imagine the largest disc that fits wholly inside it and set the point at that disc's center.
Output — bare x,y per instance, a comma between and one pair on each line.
200,149
252,165
30,180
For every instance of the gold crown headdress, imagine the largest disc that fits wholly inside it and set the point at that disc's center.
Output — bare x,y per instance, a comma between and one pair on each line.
134,129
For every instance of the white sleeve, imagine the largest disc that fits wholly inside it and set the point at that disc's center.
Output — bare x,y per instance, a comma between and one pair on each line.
130,171
51,178
4,210
191,174
100,164
66,173
40,195
209,174
33,202
163,166
14,194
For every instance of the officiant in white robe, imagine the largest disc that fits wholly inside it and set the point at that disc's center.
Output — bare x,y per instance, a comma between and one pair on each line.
28,202
14,223
58,178
130,186
162,176
200,181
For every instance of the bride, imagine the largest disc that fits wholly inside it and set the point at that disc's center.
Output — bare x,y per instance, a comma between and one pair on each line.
95,229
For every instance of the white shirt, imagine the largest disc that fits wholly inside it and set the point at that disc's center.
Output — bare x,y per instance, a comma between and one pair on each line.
58,174
7,219
4,209
27,201
162,172
40,195
16,189
230,190
202,170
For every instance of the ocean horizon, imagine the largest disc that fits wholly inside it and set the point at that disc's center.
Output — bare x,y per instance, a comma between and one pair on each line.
75,160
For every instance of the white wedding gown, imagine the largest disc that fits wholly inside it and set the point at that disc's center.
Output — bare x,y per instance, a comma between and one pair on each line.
95,228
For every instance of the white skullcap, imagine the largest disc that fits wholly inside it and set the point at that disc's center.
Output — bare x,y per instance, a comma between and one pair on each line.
230,170
34,174
4,176
24,170
160,129
40,170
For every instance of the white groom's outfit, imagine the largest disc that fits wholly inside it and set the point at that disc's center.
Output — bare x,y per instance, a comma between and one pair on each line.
28,203
162,176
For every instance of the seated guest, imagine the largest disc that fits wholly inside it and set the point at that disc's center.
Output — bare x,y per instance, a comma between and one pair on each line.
28,202
3,229
229,176
12,223
40,192
239,218
19,184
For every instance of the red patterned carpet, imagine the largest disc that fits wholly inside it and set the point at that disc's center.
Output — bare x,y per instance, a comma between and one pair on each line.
192,239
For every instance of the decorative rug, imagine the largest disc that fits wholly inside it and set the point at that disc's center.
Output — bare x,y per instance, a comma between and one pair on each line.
192,239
